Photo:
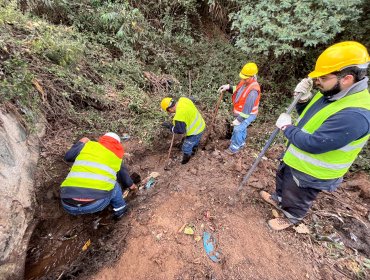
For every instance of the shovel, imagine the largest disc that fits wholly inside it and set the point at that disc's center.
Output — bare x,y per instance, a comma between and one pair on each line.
167,165
268,144
214,118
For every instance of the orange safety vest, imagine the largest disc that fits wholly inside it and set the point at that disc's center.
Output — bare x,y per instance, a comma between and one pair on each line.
239,104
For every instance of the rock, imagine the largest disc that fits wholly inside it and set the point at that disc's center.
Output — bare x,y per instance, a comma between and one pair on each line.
257,185
215,153
231,201
365,190
238,165
193,171
19,154
361,184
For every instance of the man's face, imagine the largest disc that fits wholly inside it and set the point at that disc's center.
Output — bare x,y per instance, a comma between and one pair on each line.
247,80
171,110
329,85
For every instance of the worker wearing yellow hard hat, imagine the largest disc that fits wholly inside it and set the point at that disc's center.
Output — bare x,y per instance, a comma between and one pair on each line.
245,97
187,120
332,129
167,103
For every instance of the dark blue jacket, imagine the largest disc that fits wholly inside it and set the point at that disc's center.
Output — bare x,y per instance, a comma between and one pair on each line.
123,178
337,131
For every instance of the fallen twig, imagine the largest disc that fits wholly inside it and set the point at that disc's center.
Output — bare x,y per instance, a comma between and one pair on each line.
328,214
335,266
352,216
330,195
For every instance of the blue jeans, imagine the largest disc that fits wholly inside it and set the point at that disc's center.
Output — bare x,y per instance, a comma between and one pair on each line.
190,143
240,134
115,199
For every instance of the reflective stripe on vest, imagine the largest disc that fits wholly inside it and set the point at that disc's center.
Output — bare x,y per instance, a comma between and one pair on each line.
332,164
187,112
239,98
95,167
87,175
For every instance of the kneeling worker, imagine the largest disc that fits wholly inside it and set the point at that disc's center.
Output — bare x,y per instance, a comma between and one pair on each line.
187,120
94,179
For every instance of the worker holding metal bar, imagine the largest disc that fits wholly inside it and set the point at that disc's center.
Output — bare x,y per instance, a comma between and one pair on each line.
332,129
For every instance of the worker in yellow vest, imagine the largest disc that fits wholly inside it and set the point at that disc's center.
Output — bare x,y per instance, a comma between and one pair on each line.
96,176
188,121
332,129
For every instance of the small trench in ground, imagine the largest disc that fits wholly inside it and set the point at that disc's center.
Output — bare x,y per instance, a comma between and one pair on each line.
63,246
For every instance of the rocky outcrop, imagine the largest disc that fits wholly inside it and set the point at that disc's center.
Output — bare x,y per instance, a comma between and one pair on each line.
19,154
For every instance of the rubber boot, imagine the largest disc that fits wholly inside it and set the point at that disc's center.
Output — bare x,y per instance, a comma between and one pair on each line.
185,159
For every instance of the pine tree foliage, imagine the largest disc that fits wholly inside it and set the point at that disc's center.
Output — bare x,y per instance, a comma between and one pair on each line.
290,26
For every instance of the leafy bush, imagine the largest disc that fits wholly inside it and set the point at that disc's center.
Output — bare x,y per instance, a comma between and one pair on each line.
290,27
59,49
118,40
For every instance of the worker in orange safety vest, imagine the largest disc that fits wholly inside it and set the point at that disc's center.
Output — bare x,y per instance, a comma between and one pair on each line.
245,97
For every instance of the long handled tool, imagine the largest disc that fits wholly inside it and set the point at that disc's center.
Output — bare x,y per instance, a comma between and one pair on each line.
214,117
169,153
268,144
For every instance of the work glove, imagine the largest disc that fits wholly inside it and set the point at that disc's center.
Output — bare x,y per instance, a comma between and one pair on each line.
167,125
305,87
224,88
133,187
235,122
283,121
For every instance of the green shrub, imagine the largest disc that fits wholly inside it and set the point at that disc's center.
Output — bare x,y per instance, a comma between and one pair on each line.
58,47
290,27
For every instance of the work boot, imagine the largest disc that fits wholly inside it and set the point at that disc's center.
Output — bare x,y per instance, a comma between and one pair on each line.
185,159
230,152
268,198
195,150
279,223
118,216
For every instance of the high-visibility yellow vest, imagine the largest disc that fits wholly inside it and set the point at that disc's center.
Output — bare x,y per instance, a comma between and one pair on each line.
187,112
95,167
332,164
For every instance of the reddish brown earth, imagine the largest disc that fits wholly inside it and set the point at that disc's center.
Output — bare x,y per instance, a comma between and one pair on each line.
147,244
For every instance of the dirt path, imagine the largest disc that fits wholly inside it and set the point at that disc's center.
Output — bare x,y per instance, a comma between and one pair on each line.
202,194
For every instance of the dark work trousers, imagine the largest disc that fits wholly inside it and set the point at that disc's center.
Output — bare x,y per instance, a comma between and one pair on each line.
295,200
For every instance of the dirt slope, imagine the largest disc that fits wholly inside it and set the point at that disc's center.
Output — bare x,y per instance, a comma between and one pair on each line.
147,243
202,194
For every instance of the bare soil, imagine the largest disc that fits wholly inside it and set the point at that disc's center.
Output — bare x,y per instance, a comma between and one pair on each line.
148,244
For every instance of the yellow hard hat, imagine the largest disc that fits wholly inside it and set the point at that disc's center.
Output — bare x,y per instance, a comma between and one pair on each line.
339,56
165,103
250,69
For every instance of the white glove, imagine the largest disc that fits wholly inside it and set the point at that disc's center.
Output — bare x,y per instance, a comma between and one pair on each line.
283,121
224,88
305,87
235,122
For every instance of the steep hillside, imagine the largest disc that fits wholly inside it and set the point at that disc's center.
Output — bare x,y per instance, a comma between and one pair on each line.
84,68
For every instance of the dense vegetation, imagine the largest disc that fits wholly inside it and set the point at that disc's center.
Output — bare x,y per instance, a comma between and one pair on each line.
105,65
